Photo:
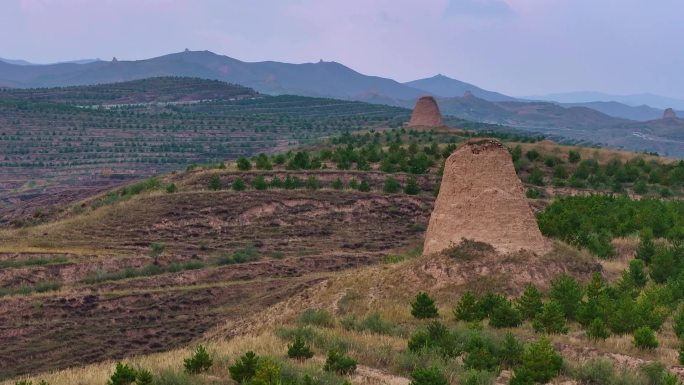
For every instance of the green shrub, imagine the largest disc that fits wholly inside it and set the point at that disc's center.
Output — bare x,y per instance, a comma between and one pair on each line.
312,183
171,188
299,349
244,368
657,374
574,156
530,302
391,186
411,187
157,249
435,338
550,320
123,375
540,361
424,307
597,371
428,376
504,315
511,351
238,184
339,363
480,354
243,164
532,155
644,338
536,177
337,184
476,377
533,193
259,183
200,361
597,330
215,182
247,254
678,323
364,186
468,308
144,377
267,373
316,317
375,324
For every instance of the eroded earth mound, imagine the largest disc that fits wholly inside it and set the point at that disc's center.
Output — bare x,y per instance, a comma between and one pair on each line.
482,199
426,113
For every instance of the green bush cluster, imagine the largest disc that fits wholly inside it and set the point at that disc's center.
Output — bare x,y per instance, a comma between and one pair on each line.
593,221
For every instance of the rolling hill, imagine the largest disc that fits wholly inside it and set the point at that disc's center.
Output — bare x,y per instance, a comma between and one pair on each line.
443,86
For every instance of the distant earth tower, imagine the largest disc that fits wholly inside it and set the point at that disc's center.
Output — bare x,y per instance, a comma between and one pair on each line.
426,113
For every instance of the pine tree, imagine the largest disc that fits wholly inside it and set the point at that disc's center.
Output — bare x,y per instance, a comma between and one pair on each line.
144,377
215,182
589,311
636,271
391,186
678,323
123,375
567,292
646,248
200,361
540,361
505,315
597,330
511,351
551,319
468,309
238,185
411,187
424,307
337,184
299,349
597,286
530,303
244,164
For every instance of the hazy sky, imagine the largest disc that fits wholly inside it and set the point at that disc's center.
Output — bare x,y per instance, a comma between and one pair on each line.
519,47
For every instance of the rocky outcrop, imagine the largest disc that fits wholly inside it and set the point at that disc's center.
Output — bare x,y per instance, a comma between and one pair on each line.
481,198
426,113
669,114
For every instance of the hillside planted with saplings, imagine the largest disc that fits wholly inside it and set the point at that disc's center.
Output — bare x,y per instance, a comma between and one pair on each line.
415,153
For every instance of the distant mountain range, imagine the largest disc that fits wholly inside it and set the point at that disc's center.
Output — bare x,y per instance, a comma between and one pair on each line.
27,63
576,115
637,100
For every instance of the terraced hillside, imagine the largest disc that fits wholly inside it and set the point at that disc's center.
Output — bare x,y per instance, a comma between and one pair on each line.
53,150
158,264
151,90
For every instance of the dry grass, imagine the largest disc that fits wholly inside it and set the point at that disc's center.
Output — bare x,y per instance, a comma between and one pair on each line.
265,344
